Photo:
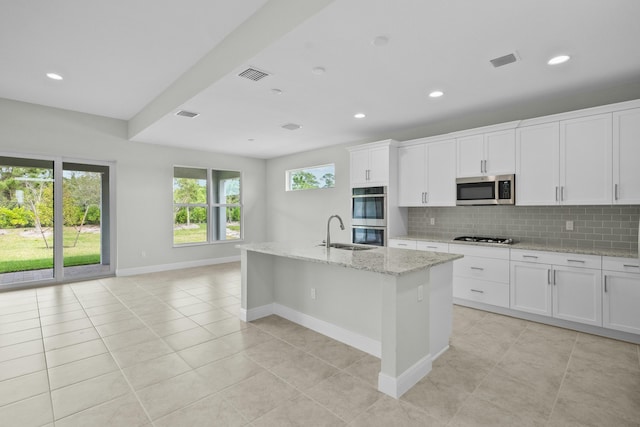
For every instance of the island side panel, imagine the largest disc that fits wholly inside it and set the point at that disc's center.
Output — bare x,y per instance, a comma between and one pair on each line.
440,308
257,285
347,298
405,332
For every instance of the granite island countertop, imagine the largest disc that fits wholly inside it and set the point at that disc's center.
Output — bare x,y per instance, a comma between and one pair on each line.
623,253
383,260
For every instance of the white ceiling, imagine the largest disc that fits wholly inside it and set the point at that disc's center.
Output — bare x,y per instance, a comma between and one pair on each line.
143,60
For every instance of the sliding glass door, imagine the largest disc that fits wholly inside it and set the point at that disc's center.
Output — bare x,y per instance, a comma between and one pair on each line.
54,221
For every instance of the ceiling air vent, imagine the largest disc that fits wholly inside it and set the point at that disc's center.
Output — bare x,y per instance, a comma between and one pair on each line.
504,60
189,114
253,74
291,126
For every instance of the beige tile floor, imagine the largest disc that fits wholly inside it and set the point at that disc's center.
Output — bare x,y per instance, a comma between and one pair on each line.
166,349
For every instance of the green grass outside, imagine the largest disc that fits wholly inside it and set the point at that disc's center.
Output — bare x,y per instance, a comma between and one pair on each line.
183,236
23,253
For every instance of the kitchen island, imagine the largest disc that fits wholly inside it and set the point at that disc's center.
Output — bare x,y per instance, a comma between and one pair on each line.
395,304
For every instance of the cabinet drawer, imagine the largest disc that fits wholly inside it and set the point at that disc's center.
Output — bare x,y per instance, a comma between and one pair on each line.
479,251
481,291
627,265
432,246
495,270
402,244
557,258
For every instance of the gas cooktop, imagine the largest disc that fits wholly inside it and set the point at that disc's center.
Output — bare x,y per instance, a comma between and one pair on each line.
478,239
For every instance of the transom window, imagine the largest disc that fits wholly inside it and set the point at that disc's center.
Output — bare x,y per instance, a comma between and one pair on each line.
311,177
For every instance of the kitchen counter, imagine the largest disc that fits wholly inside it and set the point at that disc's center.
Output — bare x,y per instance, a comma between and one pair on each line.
382,260
392,303
623,253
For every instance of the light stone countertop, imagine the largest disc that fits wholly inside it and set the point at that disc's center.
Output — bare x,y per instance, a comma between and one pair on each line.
383,260
623,253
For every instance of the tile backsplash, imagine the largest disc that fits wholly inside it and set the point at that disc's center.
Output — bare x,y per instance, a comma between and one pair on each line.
597,227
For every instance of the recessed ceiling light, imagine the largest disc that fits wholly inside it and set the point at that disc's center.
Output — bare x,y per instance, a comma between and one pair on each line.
318,70
436,94
54,76
292,126
380,41
360,115
558,59
276,91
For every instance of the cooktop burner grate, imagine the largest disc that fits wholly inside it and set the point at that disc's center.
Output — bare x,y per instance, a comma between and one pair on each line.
478,239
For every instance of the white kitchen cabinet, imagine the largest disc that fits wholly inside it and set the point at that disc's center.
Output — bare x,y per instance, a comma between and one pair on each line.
538,164
565,286
565,163
531,287
402,244
621,294
586,160
577,295
426,174
490,154
482,275
422,245
369,164
626,156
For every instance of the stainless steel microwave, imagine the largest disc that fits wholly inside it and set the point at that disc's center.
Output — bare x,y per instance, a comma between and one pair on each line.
486,190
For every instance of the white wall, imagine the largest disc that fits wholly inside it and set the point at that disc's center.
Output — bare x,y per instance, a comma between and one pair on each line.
303,214
144,175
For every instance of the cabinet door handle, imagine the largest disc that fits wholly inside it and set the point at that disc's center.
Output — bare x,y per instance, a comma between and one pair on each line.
554,277
576,260
485,166
426,197
557,194
562,193
402,244
615,192
630,266
529,256
481,171
605,283
548,276
432,247
477,268
477,290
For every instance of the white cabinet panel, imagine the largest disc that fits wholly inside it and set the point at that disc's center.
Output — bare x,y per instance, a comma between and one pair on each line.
626,157
412,183
586,160
432,246
369,164
402,244
426,174
500,152
621,301
379,166
359,168
470,155
483,291
577,295
531,288
538,164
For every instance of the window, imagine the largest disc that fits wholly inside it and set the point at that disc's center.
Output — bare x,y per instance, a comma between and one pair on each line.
207,205
322,176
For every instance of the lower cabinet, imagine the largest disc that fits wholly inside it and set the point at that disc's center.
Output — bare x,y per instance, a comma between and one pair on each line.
621,294
482,275
564,292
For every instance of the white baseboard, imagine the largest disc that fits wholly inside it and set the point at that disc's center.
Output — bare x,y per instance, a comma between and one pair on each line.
175,266
256,313
396,387
368,345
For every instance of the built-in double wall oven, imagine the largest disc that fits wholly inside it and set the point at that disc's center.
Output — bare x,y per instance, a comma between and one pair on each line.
369,215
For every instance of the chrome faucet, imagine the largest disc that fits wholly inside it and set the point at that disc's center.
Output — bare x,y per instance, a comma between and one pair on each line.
328,241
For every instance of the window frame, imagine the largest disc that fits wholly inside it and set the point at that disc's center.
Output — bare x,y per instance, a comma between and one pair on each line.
289,172
209,206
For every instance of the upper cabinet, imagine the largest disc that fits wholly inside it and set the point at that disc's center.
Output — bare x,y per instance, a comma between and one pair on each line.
626,153
490,154
426,174
369,164
566,162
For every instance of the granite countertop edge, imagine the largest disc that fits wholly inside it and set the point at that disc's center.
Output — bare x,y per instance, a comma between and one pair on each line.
618,253
382,260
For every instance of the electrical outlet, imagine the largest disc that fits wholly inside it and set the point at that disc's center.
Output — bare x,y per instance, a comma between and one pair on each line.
432,221
420,293
143,254
569,226
313,293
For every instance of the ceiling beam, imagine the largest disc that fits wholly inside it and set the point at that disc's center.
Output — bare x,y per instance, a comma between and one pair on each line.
272,21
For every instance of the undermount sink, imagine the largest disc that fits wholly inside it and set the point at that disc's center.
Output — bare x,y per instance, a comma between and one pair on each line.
350,247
